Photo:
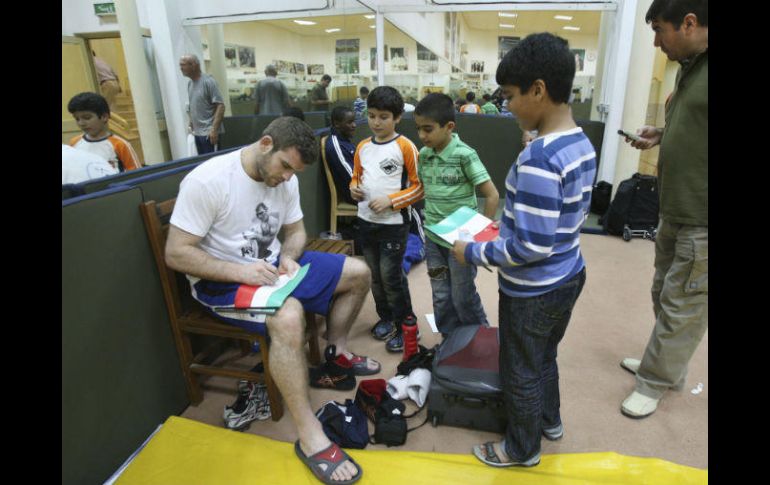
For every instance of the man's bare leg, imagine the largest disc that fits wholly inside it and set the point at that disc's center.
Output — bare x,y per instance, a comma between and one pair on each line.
355,283
288,366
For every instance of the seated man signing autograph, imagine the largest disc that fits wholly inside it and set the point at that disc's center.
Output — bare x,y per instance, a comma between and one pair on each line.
227,209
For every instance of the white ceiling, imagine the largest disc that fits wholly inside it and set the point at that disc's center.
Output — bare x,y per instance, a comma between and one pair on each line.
527,21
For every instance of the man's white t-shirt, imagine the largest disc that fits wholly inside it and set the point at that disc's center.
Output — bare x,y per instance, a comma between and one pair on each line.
237,217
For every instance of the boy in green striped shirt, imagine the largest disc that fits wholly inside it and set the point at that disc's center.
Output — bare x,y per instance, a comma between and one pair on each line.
450,172
489,108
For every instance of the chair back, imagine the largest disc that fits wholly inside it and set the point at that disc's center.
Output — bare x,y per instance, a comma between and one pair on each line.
329,179
156,216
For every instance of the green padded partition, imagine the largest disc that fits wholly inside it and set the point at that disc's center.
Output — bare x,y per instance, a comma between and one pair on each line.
314,199
161,187
238,131
317,119
581,110
242,107
497,140
120,371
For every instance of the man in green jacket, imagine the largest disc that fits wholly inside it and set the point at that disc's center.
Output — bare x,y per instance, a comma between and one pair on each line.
680,284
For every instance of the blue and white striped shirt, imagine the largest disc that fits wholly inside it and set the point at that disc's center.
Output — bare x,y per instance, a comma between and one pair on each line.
547,198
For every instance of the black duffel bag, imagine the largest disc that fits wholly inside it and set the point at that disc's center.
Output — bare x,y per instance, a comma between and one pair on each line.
636,204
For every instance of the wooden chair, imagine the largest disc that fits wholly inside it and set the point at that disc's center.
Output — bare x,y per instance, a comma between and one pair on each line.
193,319
338,208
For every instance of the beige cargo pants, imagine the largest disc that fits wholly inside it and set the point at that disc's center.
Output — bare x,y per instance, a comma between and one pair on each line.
680,302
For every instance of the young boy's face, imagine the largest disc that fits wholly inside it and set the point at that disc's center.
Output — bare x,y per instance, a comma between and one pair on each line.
523,106
91,124
382,123
432,134
347,127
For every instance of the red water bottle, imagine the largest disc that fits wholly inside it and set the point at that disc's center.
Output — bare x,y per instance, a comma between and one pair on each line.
409,332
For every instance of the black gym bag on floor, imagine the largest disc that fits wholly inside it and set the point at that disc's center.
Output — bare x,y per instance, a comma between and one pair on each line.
635,204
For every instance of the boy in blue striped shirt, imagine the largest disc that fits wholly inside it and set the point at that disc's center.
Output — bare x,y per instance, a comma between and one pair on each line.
541,275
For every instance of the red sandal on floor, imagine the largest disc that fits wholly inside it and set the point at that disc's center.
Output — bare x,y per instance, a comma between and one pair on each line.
361,365
333,456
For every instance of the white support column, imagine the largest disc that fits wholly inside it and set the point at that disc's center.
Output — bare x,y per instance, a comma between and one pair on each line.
141,84
615,81
217,53
172,41
637,92
605,31
379,29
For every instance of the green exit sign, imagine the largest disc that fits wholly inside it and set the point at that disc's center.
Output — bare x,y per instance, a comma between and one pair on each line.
104,8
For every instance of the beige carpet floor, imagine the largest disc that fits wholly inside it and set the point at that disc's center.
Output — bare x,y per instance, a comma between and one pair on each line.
612,320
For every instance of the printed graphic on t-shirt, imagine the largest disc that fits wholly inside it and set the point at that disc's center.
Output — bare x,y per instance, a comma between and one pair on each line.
261,234
389,166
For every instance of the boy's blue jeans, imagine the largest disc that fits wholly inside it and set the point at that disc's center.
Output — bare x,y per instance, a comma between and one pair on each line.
383,248
530,331
456,302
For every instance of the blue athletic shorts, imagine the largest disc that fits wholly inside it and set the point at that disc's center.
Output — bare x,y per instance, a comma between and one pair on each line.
315,291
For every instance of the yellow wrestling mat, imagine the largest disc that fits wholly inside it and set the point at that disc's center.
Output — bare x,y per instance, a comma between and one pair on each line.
186,452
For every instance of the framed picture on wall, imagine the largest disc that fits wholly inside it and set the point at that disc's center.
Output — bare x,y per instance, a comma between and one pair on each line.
504,44
580,57
427,61
398,61
246,57
373,57
346,56
314,69
231,55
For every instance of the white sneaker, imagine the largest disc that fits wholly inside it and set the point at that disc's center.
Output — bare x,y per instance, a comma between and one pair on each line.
638,406
631,365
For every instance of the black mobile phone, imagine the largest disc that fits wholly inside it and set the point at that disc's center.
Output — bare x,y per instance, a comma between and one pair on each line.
629,135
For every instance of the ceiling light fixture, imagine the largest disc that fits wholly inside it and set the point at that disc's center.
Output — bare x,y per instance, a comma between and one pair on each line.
569,27
329,31
562,17
502,14
372,27
370,17
507,26
304,22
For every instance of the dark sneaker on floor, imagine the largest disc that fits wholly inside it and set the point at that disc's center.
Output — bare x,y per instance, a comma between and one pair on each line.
383,330
336,373
252,404
396,344
555,433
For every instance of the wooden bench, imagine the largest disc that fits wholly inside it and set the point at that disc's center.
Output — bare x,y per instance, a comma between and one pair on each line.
334,246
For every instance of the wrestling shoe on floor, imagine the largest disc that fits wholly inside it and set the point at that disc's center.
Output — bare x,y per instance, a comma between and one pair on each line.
251,405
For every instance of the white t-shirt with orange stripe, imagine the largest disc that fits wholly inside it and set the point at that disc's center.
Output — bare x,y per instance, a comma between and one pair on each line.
390,169
112,148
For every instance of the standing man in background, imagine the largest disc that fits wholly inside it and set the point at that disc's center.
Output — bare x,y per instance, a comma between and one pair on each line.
680,284
319,99
206,106
109,84
271,94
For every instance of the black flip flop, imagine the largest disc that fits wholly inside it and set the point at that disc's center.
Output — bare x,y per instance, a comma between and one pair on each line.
332,456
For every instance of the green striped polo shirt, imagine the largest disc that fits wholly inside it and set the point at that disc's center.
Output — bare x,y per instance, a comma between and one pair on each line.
449,179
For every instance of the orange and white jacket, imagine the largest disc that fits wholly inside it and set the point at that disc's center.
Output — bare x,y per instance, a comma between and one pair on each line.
112,148
390,169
